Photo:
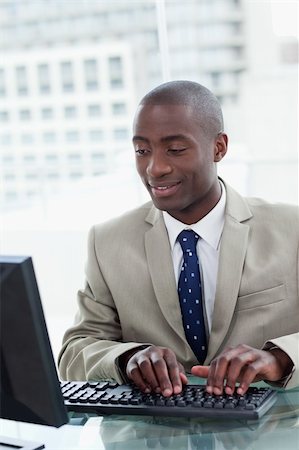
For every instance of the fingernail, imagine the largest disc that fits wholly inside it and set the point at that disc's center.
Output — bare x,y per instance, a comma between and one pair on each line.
217,391
177,390
167,392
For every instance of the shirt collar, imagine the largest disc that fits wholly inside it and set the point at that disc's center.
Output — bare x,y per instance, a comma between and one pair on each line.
209,228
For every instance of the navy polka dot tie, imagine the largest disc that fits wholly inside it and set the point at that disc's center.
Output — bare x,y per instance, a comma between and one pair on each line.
189,290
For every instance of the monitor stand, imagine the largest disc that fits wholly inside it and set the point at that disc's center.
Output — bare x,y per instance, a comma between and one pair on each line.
7,443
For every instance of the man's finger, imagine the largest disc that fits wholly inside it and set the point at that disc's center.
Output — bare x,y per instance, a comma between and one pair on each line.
200,371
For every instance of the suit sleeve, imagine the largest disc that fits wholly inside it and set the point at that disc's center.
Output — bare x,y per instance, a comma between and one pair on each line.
290,345
91,347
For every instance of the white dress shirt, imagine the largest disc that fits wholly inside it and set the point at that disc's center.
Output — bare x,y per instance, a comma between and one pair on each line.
209,228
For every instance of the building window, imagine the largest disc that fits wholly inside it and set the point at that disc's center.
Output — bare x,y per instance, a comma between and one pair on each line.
72,136
7,159
29,158
91,74
9,177
49,137
96,135
94,110
119,109
51,157
75,175
11,196
43,71
96,157
21,80
2,83
120,134
31,176
47,113
4,116
67,76
74,157
115,72
5,139
25,114
27,138
215,78
70,112
53,175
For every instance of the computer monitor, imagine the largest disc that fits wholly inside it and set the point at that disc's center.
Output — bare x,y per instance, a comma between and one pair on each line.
30,389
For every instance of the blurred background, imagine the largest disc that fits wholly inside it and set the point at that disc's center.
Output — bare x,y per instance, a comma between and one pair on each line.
71,75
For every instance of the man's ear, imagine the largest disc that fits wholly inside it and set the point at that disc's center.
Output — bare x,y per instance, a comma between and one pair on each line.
220,147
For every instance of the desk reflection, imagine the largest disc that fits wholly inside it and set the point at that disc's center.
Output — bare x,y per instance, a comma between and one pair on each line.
278,429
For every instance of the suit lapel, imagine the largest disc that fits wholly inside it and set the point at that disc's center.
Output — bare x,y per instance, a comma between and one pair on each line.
160,265
231,260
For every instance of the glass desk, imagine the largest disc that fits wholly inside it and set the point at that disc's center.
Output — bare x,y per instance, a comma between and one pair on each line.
277,430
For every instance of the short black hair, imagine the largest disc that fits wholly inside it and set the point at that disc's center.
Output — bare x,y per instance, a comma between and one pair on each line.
182,92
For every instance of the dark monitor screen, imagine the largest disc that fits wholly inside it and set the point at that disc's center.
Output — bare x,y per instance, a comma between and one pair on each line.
30,389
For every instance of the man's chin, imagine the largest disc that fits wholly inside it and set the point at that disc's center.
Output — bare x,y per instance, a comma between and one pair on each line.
163,205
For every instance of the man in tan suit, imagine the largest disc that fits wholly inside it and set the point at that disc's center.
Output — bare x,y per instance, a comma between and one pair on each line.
129,325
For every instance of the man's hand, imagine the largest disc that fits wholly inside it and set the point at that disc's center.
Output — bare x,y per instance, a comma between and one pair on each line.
243,365
156,369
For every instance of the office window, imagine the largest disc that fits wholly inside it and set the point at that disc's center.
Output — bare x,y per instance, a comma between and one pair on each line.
2,83
72,136
94,110
216,78
119,109
27,138
67,76
70,112
115,72
91,74
96,157
28,158
31,194
21,80
4,116
47,113
43,72
7,159
49,137
31,176
120,134
75,175
51,157
9,177
11,196
96,135
74,157
25,114
53,176
98,172
5,139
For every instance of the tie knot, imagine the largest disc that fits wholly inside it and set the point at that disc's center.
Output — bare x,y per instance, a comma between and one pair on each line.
188,240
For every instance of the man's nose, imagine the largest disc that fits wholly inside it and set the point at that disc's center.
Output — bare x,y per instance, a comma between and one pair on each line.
158,166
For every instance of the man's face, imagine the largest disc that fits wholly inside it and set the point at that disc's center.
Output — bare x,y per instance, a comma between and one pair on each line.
176,160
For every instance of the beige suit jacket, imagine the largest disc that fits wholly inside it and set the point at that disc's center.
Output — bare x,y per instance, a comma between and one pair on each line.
131,299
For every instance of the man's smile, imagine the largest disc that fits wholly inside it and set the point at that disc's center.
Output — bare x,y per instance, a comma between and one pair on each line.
164,190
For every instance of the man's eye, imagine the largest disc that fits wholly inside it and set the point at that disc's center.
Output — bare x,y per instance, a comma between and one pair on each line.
176,150
140,151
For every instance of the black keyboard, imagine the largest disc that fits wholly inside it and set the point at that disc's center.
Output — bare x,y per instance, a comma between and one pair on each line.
110,398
